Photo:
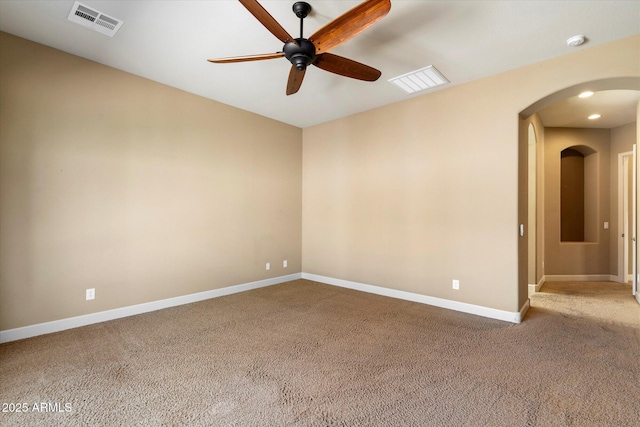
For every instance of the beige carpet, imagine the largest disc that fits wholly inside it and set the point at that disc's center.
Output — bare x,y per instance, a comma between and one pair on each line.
308,354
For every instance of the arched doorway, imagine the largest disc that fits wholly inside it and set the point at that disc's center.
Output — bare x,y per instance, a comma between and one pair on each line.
532,268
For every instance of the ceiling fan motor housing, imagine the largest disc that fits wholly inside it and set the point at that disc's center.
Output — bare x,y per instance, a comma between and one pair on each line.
300,54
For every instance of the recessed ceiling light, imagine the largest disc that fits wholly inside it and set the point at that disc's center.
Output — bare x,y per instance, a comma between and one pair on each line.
575,40
594,116
585,94
424,78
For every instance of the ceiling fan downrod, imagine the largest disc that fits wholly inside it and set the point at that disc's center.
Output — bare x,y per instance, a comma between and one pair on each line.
301,9
303,52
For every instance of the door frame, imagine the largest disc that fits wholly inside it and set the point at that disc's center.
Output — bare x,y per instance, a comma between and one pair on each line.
627,231
634,220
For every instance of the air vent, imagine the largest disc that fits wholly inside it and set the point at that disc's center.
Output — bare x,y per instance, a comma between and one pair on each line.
424,78
91,18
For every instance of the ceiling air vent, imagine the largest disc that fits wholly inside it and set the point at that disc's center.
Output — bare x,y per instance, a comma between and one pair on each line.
91,18
424,78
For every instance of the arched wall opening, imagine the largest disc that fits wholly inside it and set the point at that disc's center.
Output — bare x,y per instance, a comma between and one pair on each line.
532,268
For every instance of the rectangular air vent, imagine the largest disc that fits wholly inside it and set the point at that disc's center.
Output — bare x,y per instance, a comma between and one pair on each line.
91,18
424,78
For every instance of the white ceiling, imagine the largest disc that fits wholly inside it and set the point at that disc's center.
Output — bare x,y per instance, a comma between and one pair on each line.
169,42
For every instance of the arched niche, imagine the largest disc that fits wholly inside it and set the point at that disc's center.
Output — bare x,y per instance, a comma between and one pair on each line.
578,194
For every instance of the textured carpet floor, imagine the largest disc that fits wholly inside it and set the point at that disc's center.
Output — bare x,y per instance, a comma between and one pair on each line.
308,354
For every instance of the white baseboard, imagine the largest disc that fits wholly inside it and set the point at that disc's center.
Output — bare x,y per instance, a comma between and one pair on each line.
535,287
117,313
616,278
507,316
579,278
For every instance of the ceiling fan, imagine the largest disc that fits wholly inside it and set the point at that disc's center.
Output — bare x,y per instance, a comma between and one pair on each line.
302,52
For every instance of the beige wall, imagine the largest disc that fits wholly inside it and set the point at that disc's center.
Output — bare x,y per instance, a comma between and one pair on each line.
415,194
141,191
572,258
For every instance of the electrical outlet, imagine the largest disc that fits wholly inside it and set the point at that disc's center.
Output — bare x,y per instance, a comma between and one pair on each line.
456,284
91,294
268,266
284,263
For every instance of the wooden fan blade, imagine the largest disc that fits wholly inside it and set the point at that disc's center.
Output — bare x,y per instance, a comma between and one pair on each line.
247,58
267,20
346,67
350,24
295,80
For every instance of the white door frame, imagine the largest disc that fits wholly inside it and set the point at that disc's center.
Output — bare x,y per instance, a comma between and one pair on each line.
634,224
627,231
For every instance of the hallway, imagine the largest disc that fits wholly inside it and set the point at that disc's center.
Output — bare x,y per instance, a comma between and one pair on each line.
610,302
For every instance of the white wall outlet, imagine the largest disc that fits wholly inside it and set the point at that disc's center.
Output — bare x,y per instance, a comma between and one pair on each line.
91,294
284,263
606,225
456,284
268,266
